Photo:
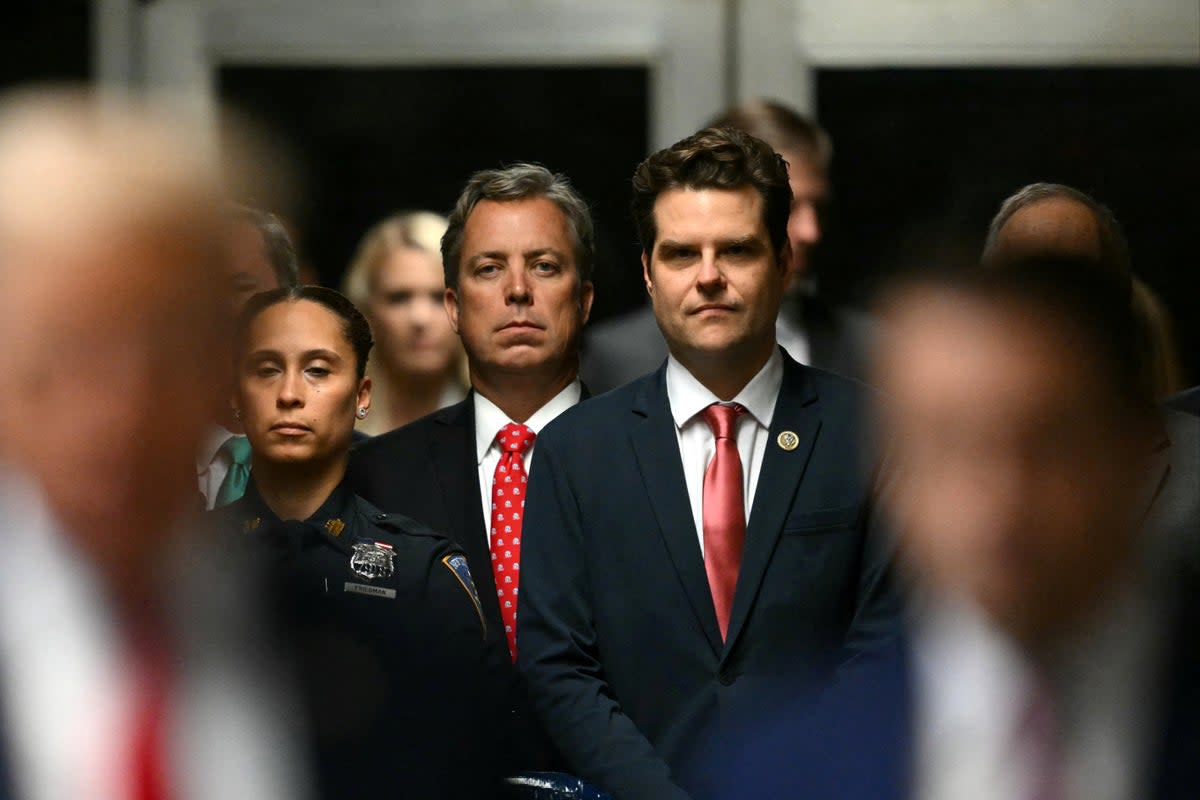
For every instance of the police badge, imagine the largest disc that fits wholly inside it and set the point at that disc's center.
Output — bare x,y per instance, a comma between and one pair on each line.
372,560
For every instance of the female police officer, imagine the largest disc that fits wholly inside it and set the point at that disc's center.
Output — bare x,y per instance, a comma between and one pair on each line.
404,686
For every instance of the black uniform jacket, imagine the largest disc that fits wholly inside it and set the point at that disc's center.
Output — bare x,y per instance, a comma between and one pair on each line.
403,685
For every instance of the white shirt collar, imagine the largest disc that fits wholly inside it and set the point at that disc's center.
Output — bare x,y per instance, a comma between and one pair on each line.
688,397
489,418
216,436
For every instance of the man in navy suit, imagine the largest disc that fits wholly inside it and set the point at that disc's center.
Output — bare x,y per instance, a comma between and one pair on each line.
695,534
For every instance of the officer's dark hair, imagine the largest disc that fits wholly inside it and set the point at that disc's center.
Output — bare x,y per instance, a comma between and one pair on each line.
277,241
354,324
714,158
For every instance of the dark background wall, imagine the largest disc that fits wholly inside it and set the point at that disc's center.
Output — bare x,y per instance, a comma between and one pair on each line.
923,157
367,142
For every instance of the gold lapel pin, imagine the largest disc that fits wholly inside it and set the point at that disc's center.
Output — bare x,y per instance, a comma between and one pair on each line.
251,525
788,440
335,527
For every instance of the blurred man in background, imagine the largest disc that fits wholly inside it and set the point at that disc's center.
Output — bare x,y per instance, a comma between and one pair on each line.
259,256
809,328
123,673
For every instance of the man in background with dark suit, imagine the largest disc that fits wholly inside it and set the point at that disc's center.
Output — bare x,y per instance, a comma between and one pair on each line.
711,524
518,260
812,330
259,255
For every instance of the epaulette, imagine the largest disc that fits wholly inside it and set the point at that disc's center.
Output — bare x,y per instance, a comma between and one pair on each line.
398,523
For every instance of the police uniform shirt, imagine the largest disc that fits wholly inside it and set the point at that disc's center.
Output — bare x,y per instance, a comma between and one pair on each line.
403,687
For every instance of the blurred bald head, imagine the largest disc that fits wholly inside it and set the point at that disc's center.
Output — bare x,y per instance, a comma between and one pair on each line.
1050,220
112,313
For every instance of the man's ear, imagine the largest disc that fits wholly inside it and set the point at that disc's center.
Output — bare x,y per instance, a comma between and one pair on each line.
450,301
646,274
587,293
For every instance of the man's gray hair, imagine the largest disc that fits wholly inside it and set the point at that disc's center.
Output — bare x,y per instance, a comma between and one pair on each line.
1114,249
520,182
280,250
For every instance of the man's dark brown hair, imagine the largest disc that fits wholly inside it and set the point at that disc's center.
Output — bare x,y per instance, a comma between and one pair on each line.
714,158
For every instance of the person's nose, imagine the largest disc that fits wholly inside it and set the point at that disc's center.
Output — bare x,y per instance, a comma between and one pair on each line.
709,278
291,390
517,289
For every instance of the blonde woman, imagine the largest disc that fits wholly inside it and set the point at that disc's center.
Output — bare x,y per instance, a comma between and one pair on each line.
396,279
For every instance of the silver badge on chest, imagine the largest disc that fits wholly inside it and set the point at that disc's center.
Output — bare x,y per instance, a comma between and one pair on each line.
373,560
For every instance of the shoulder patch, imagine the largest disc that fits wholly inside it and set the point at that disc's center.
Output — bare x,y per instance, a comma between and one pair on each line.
457,564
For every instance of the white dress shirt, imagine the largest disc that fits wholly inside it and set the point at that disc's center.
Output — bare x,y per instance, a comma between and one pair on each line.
794,339
688,397
212,465
68,684
489,419
973,686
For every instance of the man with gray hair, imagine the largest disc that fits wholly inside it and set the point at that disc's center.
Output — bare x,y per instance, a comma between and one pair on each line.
1051,219
518,256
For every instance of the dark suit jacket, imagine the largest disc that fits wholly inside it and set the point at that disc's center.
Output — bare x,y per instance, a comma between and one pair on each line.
428,470
617,634
857,741
619,350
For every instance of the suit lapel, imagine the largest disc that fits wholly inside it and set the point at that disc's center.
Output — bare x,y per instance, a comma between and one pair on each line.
797,411
657,450
455,463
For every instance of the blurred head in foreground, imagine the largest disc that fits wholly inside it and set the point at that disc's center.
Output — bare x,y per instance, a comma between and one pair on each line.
113,311
1024,438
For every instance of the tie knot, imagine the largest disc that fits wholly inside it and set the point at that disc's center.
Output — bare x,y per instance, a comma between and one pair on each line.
237,449
515,438
722,418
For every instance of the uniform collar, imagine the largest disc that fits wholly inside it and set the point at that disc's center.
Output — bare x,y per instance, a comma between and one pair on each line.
335,520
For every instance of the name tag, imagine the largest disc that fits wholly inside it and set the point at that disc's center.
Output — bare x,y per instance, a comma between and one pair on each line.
373,591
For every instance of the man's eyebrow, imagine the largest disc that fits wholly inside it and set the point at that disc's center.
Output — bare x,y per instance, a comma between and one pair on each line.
495,255
671,244
542,251
749,240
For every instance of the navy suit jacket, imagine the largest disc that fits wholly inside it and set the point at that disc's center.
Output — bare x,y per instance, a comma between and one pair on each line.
429,470
857,740
617,634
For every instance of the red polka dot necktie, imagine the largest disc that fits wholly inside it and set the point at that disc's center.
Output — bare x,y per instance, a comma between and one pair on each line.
508,509
724,511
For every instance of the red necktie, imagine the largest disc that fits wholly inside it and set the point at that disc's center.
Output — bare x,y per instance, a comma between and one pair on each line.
508,506
724,510
149,778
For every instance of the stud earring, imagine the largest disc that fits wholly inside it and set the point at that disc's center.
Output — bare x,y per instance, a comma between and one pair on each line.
362,413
